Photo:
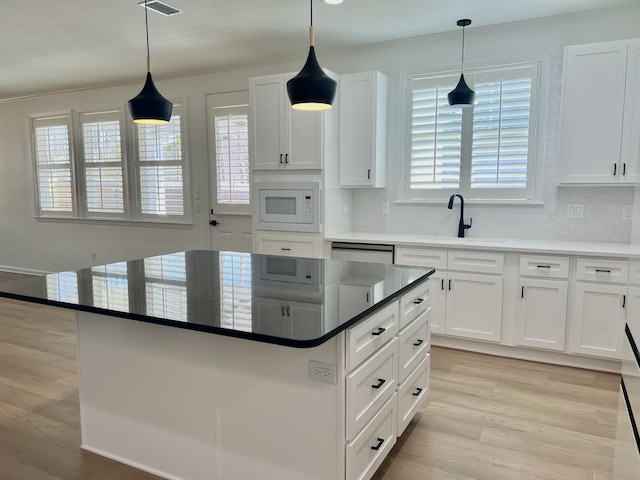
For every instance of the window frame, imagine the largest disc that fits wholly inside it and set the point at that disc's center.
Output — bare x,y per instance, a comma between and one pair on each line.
131,171
532,193
224,100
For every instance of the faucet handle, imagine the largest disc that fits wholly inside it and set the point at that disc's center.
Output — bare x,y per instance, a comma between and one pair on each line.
466,227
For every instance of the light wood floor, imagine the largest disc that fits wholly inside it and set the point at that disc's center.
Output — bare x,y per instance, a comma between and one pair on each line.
487,417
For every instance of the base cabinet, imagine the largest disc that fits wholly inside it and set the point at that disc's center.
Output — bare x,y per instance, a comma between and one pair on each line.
474,306
542,313
598,319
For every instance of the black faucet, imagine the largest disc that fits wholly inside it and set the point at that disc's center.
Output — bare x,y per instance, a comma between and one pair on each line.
461,226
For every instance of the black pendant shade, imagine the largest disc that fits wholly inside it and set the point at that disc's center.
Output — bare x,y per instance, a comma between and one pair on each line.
311,89
462,95
149,106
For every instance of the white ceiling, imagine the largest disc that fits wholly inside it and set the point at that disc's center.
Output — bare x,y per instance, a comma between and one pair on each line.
52,45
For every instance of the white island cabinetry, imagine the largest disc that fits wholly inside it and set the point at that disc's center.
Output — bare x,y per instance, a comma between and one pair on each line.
194,405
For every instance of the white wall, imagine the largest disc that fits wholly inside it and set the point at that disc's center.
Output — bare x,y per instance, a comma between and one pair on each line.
46,245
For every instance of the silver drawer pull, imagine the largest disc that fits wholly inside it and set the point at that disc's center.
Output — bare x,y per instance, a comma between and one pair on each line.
381,381
418,301
380,442
379,331
417,392
544,266
603,270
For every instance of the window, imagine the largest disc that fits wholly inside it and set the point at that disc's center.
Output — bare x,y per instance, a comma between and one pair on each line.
166,286
229,147
98,165
486,151
110,286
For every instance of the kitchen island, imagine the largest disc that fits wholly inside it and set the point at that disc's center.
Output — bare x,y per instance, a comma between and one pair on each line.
222,365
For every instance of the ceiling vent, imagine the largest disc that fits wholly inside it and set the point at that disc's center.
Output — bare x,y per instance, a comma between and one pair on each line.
160,7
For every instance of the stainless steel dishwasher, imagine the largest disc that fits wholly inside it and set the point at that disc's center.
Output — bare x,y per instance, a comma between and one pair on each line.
362,252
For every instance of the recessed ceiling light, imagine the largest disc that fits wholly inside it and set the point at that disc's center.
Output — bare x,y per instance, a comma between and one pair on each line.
333,2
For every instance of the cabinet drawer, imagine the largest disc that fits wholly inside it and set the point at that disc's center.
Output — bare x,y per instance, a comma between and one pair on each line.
415,302
421,257
544,266
634,272
365,454
481,262
602,270
364,338
369,387
414,342
412,393
293,248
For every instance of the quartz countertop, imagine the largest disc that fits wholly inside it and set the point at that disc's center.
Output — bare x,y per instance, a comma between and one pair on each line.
621,250
296,302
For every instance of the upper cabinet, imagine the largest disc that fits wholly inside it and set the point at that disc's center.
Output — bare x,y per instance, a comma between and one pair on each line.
600,113
281,138
363,107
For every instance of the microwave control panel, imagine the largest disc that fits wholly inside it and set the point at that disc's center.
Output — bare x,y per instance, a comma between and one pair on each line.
307,206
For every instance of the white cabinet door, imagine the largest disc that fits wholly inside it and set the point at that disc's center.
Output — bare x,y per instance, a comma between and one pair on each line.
593,101
542,313
363,102
474,306
631,124
438,301
633,310
306,319
281,138
598,319
266,128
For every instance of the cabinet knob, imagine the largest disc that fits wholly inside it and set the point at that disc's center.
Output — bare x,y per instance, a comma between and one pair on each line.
381,381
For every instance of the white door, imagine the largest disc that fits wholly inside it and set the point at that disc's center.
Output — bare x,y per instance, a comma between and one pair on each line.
227,124
598,320
542,313
438,301
474,306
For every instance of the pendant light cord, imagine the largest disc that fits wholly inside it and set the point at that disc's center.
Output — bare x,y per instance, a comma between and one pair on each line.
462,60
146,27
311,39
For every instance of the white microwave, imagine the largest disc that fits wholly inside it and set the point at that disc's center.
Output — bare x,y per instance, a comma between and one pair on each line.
289,206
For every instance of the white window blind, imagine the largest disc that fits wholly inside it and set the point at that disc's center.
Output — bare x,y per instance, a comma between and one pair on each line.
161,167
53,164
485,151
436,140
166,286
103,162
235,290
111,286
231,133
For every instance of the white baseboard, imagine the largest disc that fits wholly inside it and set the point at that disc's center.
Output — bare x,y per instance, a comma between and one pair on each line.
531,354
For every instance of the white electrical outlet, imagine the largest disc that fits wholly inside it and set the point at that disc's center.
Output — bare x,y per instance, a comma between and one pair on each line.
323,372
627,212
385,208
575,210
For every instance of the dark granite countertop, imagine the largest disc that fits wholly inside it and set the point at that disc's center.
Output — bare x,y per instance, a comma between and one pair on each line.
297,302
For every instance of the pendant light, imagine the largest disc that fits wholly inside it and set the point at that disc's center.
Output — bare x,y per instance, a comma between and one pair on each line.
149,106
462,95
311,89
